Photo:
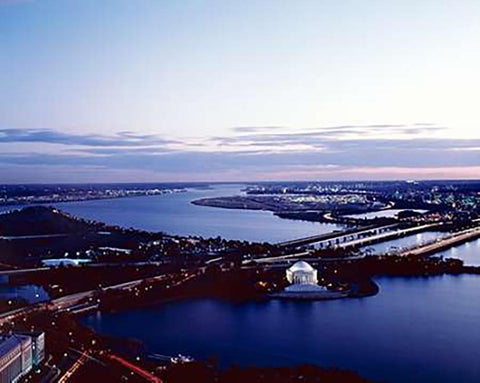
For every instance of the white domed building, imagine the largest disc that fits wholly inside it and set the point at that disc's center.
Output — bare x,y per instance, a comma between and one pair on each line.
303,278
302,272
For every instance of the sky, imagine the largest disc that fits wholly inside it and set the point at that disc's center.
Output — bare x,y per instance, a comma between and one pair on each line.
191,90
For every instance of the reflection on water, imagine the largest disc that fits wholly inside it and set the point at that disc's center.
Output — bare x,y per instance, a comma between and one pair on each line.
31,293
469,252
415,329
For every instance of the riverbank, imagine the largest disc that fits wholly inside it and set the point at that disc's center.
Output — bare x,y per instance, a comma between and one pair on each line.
288,204
301,210
311,296
29,195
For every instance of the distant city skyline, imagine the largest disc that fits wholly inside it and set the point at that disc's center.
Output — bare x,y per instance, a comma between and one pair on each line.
100,91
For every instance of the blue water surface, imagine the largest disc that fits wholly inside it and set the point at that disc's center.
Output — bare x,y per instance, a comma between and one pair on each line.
415,329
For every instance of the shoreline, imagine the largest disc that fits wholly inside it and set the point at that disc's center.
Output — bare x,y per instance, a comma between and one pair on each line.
22,204
307,214
226,288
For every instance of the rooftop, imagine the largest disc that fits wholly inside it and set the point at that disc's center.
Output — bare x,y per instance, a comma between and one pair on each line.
301,266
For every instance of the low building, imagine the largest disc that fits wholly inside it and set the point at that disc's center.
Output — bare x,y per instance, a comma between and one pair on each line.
10,359
15,357
38,346
26,347
54,262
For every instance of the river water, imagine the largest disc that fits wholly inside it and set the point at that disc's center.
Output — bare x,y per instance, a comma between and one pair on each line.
415,329
175,214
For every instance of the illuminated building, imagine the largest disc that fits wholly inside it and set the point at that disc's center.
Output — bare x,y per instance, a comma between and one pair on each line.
303,278
15,357
64,262
38,345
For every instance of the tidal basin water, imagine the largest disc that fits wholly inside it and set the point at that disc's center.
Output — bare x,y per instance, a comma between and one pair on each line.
31,293
175,214
415,329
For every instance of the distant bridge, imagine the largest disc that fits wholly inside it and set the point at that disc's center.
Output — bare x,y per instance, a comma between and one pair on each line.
385,236
336,237
422,250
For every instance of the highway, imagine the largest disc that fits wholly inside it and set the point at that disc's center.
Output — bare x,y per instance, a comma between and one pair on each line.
14,237
22,271
64,303
134,368
101,264
78,363
456,239
277,259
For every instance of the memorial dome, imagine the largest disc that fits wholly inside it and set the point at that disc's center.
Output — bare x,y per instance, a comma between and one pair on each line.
302,273
301,266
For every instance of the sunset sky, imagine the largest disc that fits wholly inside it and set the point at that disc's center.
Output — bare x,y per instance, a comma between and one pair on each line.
136,91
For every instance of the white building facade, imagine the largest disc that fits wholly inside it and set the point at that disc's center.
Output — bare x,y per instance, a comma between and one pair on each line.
303,278
15,357
19,353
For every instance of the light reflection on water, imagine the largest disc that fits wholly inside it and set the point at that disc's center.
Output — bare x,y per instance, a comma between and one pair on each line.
415,329
31,293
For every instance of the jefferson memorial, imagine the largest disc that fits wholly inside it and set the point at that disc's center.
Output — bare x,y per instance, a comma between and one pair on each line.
303,279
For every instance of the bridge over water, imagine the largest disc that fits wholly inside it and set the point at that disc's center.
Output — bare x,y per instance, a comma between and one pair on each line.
422,250
386,236
336,237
